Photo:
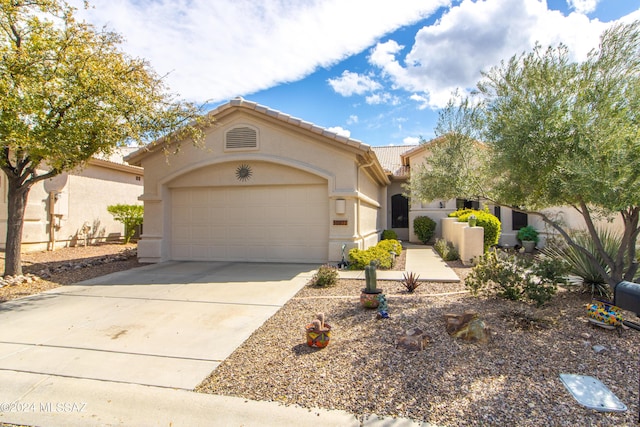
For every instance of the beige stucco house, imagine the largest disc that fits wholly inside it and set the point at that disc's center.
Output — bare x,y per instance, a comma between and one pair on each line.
269,187
72,206
265,187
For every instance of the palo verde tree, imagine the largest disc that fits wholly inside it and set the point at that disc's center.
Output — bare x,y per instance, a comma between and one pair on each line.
556,133
68,93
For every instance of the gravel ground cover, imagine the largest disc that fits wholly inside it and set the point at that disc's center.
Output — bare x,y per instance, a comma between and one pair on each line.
45,270
513,380
510,381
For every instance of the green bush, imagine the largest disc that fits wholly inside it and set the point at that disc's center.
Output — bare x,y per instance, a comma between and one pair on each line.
130,215
424,227
486,220
361,258
515,278
446,250
391,246
381,254
326,275
527,233
389,235
461,212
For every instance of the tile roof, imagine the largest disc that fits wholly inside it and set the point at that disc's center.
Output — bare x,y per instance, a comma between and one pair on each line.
391,159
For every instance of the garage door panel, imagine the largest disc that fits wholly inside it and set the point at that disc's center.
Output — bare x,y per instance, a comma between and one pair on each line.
277,223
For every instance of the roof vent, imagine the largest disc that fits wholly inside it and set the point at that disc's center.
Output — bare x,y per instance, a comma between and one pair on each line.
241,138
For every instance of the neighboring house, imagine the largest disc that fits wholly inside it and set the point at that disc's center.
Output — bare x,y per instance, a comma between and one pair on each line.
268,187
72,207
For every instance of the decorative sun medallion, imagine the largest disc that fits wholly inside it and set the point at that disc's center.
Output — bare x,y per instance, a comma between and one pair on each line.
243,172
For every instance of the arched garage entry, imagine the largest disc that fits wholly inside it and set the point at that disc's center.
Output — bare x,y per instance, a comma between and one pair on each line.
265,218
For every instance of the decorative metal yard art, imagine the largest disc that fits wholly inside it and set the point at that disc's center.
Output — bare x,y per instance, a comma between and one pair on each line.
382,307
344,263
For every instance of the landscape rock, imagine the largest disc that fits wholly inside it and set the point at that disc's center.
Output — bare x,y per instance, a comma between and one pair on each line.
467,326
413,340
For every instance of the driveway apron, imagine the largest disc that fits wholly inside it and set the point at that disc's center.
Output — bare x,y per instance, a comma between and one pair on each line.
166,325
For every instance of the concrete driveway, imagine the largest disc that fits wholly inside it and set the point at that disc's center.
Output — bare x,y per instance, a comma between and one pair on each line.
166,325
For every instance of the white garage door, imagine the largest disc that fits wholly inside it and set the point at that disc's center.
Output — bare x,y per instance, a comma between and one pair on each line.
258,224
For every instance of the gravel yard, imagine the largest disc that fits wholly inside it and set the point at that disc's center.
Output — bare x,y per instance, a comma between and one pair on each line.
510,381
66,266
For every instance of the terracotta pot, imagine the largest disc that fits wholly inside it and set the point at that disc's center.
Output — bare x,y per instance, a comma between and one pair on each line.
370,300
318,339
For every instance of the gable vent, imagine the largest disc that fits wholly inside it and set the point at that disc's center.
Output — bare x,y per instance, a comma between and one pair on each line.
241,138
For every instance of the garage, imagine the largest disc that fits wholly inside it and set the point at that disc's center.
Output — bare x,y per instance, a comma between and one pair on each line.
262,186
276,223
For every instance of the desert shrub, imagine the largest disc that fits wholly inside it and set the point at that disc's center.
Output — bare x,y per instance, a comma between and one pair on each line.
515,278
381,254
461,212
130,215
361,258
446,250
327,275
390,245
424,227
578,263
389,235
486,220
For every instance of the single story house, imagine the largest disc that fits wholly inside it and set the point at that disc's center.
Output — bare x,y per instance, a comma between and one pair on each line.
71,208
268,187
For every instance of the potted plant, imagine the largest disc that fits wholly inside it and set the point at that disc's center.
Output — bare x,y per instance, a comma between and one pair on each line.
528,236
369,295
318,332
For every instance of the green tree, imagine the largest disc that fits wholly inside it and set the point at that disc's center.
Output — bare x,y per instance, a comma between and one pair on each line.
455,160
68,93
562,133
130,215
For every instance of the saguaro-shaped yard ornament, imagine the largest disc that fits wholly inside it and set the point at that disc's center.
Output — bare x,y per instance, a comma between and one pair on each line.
318,332
369,295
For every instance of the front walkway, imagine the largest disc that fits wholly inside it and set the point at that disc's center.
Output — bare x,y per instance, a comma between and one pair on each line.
421,260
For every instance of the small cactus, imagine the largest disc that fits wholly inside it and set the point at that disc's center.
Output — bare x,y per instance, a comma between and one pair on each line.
371,277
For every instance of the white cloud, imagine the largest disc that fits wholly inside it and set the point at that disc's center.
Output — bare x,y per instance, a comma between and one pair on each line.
411,140
422,100
474,36
353,119
353,83
340,131
218,50
382,98
583,6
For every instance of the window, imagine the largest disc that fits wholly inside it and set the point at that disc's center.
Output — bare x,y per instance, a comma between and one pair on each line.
519,220
497,212
399,211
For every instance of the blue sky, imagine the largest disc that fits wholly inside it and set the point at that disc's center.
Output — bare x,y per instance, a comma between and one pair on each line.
374,70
